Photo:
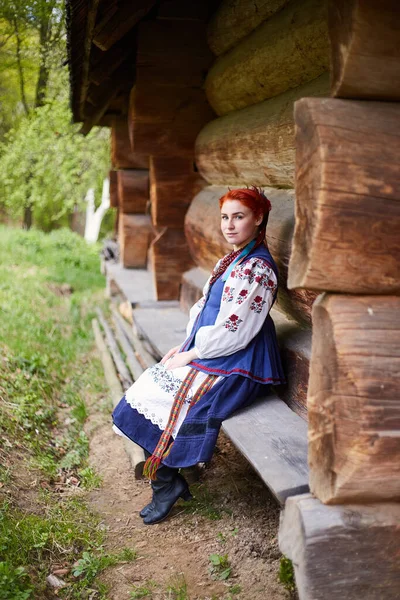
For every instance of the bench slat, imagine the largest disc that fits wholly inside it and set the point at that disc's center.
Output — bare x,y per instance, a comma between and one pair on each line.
274,440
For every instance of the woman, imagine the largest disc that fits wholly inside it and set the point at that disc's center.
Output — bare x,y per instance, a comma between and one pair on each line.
175,409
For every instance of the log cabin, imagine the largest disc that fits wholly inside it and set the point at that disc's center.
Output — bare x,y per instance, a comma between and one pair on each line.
301,97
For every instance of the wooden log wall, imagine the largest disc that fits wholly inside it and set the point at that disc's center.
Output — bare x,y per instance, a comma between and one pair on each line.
348,210
129,192
345,169
135,234
288,50
168,107
353,399
235,19
255,145
365,49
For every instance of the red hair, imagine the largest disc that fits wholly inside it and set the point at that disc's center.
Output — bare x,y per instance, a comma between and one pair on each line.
255,199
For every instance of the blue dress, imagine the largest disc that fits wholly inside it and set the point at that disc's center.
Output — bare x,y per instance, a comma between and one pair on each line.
235,340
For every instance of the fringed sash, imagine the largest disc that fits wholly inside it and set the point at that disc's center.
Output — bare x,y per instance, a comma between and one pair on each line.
162,449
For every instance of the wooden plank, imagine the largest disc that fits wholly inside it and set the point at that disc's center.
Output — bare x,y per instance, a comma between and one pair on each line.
134,365
135,453
353,399
134,235
286,51
274,441
133,190
347,197
365,49
122,155
162,327
117,23
173,183
123,372
255,145
169,258
235,19
339,552
206,244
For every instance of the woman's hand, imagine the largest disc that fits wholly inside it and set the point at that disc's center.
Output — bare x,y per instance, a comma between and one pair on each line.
170,353
181,360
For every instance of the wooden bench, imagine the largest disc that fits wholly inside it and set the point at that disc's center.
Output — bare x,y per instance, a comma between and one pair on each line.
268,433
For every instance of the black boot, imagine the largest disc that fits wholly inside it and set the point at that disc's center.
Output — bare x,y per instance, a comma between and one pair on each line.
149,507
167,489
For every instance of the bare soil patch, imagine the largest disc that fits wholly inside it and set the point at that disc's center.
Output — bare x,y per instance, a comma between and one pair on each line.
179,548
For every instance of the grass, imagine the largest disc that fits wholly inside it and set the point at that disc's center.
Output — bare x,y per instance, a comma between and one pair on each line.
286,574
49,285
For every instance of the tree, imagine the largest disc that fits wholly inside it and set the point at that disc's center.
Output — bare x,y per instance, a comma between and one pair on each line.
46,164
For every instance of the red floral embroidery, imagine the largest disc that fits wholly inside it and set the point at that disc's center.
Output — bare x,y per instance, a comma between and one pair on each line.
233,322
242,296
227,296
257,304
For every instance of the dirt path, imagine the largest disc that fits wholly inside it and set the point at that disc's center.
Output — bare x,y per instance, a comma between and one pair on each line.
175,553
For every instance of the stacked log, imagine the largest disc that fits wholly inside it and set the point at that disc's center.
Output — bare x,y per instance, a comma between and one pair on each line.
346,241
288,50
169,256
173,183
168,107
365,49
255,145
134,233
133,190
129,192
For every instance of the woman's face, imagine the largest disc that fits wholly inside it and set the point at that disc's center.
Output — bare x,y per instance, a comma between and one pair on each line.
239,225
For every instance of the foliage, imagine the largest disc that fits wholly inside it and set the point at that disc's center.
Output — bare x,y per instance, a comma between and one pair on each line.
286,574
92,564
47,372
177,589
13,583
143,591
31,52
47,165
220,567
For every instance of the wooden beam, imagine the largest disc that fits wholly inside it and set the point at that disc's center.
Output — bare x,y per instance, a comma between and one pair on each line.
134,235
169,258
353,399
116,24
255,145
100,97
108,62
235,19
286,51
122,155
90,24
173,183
133,190
168,105
339,552
113,177
202,227
365,47
348,200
